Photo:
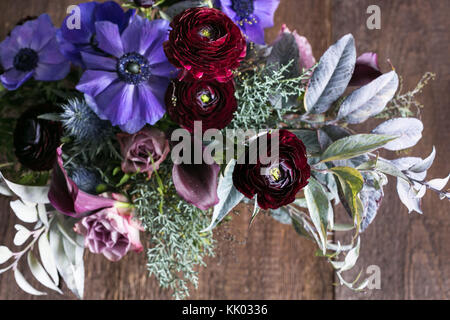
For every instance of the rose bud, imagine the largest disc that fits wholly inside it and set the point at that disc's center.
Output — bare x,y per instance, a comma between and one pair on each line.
275,184
205,44
36,140
211,102
143,151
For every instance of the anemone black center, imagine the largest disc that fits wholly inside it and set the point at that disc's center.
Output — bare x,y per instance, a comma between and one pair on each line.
133,68
26,60
243,8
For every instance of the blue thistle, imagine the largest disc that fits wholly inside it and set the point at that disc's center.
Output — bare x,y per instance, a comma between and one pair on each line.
86,179
83,124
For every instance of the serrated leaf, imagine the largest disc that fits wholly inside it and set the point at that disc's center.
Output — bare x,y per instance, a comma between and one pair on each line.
47,259
24,285
425,164
28,193
5,254
332,75
319,207
24,212
21,235
229,196
39,273
369,100
407,130
355,145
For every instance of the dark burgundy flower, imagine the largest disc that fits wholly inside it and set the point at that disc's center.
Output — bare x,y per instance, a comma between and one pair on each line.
366,69
36,140
275,184
211,102
205,44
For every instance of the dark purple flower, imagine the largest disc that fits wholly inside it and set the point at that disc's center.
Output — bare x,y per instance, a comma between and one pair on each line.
68,199
32,51
197,183
143,3
366,69
128,88
36,140
252,16
74,41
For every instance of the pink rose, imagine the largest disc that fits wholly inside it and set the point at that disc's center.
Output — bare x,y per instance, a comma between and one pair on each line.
141,148
111,232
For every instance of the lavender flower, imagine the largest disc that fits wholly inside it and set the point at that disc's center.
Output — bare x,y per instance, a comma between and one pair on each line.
252,16
128,88
74,41
83,124
32,51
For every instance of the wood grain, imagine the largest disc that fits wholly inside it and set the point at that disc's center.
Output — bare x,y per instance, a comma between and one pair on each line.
411,250
269,261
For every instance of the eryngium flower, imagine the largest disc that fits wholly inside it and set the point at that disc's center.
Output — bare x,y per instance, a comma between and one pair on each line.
278,184
128,88
86,179
32,51
36,140
252,16
205,44
211,102
74,40
83,124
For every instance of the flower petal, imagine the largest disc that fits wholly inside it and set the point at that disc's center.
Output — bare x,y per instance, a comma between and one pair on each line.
116,103
52,72
96,62
43,33
366,69
13,79
108,37
94,82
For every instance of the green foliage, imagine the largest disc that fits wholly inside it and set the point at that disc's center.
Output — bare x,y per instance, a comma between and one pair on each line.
177,244
262,95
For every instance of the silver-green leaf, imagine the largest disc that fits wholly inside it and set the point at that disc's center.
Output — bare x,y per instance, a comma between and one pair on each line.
407,130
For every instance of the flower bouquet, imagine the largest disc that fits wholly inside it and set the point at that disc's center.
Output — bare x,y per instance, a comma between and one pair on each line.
158,118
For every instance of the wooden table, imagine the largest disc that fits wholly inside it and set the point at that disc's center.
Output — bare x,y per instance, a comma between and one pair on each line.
270,261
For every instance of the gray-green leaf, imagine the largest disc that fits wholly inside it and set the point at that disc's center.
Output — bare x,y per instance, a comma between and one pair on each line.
407,130
369,100
332,75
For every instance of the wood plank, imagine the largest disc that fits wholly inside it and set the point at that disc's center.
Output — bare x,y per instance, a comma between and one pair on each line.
269,261
411,250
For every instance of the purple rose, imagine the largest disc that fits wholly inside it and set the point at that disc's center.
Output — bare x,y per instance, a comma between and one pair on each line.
110,232
143,151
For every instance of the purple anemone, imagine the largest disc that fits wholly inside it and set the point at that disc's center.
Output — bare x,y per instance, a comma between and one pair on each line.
75,39
129,87
252,16
32,51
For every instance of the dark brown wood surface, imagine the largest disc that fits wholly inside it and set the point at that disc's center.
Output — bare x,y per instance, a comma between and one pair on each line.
270,261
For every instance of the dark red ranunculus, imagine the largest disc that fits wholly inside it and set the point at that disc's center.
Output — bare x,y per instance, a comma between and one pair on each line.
36,140
205,44
211,102
282,180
